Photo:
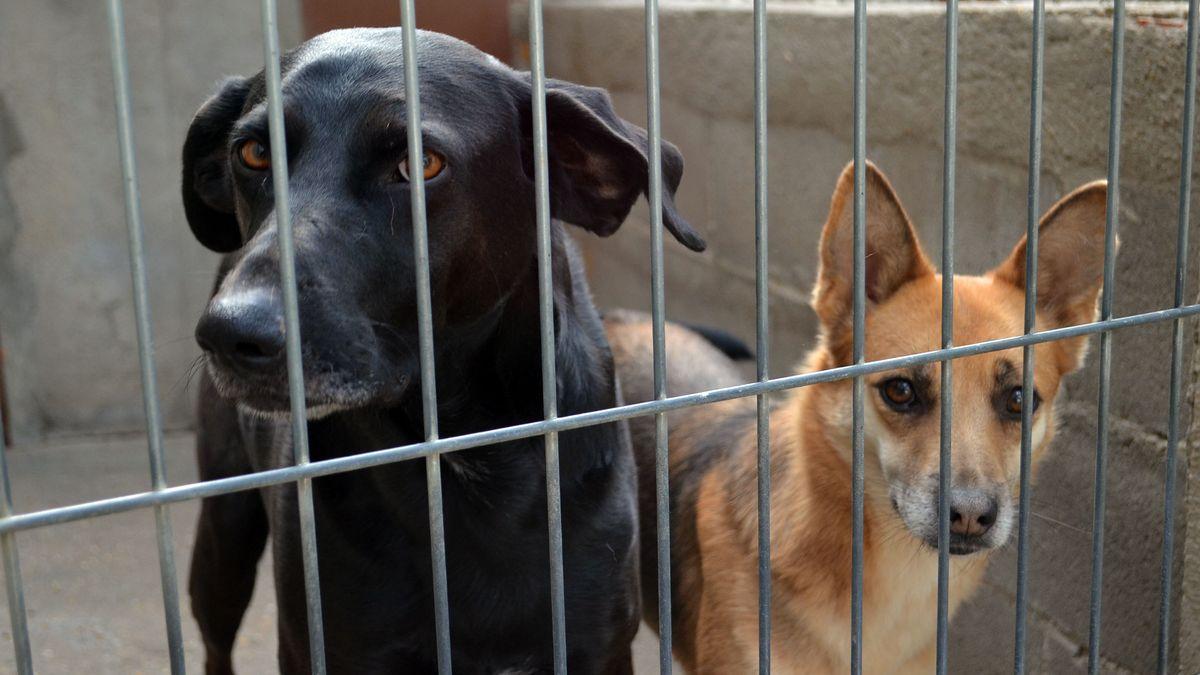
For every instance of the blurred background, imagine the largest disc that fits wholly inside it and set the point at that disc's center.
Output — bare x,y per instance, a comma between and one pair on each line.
69,380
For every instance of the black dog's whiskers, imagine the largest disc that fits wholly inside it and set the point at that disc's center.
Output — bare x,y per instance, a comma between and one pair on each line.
174,340
184,383
389,334
1037,514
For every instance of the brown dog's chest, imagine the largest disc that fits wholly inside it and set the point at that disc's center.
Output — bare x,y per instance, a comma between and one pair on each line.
811,595
899,615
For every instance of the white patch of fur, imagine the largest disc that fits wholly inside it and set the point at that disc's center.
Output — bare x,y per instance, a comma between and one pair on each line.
916,501
311,413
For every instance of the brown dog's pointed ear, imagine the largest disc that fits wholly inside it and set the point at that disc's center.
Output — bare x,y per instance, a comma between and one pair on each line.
894,255
206,184
1070,269
599,163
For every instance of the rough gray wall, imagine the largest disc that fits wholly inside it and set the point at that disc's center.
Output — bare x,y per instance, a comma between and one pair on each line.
1189,607
66,309
707,95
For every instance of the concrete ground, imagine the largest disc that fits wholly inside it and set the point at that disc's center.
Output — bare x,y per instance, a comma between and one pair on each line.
92,587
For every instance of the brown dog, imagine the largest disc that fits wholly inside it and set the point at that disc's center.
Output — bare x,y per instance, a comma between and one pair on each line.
713,460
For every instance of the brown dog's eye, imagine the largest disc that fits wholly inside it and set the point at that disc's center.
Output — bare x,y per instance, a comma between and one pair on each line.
1014,401
900,394
254,155
434,163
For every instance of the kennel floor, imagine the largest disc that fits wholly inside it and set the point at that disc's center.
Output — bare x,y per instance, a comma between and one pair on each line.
92,587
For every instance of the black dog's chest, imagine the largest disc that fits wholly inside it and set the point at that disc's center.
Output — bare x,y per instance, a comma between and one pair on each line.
375,563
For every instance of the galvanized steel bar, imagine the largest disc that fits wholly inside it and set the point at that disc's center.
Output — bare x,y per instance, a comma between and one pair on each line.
1177,353
948,185
762,335
17,617
141,304
291,316
657,310
546,320
1037,67
433,463
366,460
860,305
1106,305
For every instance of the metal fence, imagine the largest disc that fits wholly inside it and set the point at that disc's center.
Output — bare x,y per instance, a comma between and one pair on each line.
303,472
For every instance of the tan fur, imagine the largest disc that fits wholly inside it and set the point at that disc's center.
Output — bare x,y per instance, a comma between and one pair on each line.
714,525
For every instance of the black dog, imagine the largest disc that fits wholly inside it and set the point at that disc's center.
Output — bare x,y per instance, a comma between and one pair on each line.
344,103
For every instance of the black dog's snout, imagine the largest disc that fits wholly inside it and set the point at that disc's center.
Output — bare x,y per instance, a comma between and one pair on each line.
244,330
972,512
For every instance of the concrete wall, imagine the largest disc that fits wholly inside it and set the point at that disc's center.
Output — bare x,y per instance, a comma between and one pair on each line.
707,110
66,310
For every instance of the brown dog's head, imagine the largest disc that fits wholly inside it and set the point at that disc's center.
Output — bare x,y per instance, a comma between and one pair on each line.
904,317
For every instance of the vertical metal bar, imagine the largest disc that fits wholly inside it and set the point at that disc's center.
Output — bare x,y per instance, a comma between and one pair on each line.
1037,61
657,302
1181,254
291,316
433,463
141,302
762,334
1106,305
12,572
546,311
948,184
860,307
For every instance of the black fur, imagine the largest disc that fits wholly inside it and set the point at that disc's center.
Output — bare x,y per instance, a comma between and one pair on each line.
729,344
344,111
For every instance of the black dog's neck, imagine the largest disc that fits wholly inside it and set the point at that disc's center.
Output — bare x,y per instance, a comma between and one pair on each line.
488,372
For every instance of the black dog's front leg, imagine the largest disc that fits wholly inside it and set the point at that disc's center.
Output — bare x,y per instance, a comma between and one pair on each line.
230,535
230,538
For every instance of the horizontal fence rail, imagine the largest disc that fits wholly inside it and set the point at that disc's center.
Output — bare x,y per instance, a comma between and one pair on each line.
303,471
327,467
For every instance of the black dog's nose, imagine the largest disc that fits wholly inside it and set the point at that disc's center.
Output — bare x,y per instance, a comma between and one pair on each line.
972,512
244,330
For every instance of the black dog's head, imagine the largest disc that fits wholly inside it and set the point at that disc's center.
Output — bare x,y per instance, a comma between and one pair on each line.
344,111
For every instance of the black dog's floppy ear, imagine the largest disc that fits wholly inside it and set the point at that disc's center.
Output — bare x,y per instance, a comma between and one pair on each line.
207,185
599,164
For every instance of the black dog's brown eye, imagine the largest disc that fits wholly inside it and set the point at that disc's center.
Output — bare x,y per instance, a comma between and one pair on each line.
899,393
434,163
254,155
1015,399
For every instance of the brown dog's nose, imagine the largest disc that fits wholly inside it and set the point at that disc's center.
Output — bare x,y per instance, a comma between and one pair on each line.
244,331
972,512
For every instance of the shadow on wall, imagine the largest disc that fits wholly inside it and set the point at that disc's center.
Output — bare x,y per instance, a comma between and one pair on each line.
13,289
66,306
